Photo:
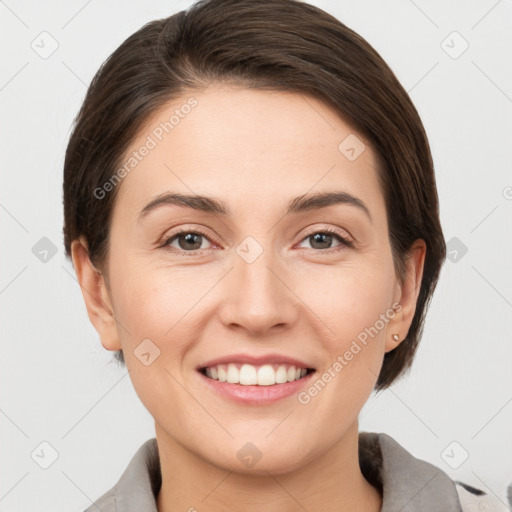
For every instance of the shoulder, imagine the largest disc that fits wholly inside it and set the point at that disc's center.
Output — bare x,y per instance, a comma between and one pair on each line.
410,483
473,499
137,488
105,503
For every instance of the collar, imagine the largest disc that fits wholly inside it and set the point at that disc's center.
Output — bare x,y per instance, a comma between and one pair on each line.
406,483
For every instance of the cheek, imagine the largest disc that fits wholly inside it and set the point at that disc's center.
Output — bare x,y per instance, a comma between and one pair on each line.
356,312
353,305
350,298
152,300
155,307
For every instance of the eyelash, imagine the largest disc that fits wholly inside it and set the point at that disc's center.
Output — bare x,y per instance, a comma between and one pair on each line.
327,231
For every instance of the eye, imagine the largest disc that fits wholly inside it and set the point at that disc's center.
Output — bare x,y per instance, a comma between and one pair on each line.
188,241
323,239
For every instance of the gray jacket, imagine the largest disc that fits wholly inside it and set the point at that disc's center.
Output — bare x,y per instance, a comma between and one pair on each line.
407,484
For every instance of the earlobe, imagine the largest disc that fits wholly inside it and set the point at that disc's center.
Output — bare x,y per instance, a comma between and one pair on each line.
409,291
96,297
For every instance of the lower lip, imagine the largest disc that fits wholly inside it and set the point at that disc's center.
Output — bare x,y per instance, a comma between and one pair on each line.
256,395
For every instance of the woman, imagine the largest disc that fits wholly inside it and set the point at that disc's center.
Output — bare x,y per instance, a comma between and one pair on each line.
251,210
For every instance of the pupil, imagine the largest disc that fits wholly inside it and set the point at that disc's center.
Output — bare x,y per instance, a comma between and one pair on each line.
189,239
322,238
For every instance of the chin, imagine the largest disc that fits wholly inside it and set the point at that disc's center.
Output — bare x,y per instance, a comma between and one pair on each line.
260,458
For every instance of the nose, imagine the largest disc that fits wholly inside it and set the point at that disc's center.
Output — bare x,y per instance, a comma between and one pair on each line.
258,296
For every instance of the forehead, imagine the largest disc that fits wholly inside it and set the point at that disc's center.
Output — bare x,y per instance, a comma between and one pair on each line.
246,145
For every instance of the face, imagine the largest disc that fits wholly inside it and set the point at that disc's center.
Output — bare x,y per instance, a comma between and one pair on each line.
260,286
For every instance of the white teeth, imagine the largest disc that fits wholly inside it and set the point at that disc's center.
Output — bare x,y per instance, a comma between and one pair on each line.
250,375
233,374
281,375
266,375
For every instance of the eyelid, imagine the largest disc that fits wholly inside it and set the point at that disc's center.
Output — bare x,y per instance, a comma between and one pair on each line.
342,233
346,242
344,238
166,238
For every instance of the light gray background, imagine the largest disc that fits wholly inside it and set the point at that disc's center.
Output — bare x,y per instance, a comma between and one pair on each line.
58,383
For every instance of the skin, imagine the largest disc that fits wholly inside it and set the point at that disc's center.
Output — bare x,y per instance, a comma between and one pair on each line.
255,151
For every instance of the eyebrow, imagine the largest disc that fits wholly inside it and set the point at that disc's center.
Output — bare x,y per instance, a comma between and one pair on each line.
214,206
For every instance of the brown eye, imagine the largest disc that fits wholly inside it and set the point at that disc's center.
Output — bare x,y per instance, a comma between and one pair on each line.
324,240
188,241
321,240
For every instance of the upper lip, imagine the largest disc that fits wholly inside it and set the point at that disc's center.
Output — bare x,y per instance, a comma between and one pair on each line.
255,360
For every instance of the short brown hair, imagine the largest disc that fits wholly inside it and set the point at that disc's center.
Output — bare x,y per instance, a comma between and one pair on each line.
284,45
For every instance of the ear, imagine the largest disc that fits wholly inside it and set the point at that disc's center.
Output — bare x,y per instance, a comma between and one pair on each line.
406,295
96,296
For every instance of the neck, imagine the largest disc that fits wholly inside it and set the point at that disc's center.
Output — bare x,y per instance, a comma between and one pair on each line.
332,482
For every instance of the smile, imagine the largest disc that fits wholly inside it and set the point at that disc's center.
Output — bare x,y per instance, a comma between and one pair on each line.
252,375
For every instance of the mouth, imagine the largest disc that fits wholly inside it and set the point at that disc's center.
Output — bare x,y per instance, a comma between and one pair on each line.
255,379
256,375
248,380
